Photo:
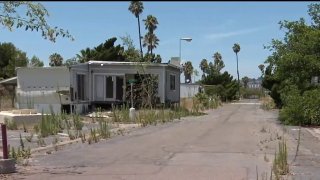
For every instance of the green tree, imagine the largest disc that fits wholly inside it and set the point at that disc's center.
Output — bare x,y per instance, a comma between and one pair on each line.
245,81
204,67
71,61
150,39
295,59
291,66
106,51
218,63
188,70
130,53
55,59
7,54
236,49
136,8
217,83
261,67
35,62
152,58
11,58
34,18
86,55
151,23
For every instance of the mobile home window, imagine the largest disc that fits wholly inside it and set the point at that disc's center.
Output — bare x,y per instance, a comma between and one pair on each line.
172,82
80,86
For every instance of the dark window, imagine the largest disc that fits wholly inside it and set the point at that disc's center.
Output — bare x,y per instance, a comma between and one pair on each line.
172,82
109,87
80,86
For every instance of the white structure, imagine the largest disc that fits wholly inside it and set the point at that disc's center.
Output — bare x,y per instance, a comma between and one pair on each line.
88,84
189,90
42,87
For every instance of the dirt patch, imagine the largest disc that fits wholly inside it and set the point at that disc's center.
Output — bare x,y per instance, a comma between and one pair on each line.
187,103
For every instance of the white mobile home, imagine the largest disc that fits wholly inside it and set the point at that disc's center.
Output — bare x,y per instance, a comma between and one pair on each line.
43,88
84,85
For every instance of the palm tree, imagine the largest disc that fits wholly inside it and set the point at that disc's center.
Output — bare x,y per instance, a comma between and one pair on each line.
55,59
151,23
150,41
150,38
218,62
261,67
86,55
136,8
35,62
245,81
236,49
204,66
188,70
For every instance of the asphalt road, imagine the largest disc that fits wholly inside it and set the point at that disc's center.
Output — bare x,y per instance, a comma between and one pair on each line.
236,141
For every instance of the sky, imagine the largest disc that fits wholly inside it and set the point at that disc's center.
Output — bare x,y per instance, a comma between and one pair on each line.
213,27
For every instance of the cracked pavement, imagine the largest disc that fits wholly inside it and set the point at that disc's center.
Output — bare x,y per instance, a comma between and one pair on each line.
236,141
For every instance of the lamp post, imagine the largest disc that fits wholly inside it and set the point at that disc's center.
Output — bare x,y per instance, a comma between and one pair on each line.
188,39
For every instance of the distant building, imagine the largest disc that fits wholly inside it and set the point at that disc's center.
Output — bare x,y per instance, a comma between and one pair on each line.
255,83
315,80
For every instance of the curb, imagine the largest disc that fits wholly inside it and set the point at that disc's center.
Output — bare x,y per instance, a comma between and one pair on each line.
51,146
7,166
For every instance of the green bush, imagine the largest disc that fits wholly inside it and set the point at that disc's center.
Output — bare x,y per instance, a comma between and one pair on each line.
207,101
301,109
312,107
251,93
267,103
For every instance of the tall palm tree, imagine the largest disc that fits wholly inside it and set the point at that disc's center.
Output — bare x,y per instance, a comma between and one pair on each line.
151,23
55,59
150,41
204,66
218,62
136,8
150,38
236,49
188,71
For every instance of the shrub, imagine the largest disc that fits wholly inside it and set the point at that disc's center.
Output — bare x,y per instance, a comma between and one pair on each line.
11,124
301,109
267,103
291,113
203,101
311,101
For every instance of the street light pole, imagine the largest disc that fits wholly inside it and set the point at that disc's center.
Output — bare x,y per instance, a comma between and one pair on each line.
188,40
185,39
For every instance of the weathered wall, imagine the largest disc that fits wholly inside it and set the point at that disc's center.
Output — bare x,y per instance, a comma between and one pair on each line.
188,90
38,88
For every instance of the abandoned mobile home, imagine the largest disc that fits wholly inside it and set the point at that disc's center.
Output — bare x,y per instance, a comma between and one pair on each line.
82,86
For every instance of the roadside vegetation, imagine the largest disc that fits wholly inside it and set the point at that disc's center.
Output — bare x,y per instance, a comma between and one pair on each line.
292,72
101,125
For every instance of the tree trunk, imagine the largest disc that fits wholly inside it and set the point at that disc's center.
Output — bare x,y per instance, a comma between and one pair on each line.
238,76
151,49
140,38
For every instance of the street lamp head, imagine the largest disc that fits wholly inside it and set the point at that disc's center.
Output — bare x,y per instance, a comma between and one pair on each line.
186,39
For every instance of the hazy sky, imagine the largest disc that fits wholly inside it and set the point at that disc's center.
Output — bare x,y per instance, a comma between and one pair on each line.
213,26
